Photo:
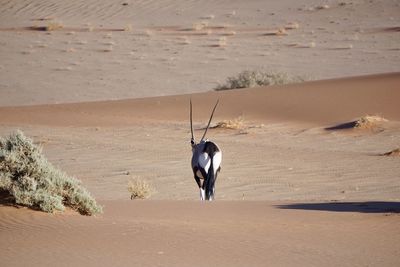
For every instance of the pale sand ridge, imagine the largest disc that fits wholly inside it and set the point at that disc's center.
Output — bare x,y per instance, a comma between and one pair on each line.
320,102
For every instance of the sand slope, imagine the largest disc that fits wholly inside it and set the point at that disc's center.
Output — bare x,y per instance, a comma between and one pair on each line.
153,233
282,151
320,102
282,177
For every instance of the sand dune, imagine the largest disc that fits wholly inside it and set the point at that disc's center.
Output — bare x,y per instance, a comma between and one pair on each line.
104,87
290,192
321,102
153,233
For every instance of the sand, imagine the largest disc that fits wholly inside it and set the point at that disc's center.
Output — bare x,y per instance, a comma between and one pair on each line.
106,94
159,233
106,50
291,191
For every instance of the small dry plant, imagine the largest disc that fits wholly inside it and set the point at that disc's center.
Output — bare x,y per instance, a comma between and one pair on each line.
369,122
292,26
139,188
198,26
278,32
53,26
184,40
222,41
235,124
229,33
128,28
393,153
148,33
209,17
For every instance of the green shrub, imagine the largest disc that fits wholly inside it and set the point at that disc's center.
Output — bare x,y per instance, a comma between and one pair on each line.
248,79
30,180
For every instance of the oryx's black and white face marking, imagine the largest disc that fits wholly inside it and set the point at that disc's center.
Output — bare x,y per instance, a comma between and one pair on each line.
206,161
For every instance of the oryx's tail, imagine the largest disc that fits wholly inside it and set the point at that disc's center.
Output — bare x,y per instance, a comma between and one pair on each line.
210,181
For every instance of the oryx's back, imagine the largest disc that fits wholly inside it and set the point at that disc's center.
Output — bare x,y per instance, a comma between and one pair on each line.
204,152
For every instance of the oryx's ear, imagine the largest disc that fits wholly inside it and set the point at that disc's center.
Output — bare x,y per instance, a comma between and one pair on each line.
209,121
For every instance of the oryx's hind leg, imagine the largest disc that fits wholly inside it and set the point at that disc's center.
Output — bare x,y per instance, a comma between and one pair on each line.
203,184
200,184
198,173
202,194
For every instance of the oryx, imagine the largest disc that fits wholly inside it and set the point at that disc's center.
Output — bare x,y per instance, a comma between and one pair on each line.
206,161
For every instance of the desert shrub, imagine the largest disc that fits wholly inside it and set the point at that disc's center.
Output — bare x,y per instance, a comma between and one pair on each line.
369,122
53,26
393,153
30,180
139,188
233,124
247,79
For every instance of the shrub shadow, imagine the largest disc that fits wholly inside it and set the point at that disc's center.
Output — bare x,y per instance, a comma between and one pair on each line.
342,126
362,207
6,199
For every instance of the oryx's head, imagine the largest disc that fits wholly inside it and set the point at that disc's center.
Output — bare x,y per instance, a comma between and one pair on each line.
192,140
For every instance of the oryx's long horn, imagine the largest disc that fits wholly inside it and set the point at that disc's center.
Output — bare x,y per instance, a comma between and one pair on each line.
191,119
209,121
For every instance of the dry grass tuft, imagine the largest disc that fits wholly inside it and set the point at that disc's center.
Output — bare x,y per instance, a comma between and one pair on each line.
89,27
278,32
184,40
303,45
320,7
27,52
140,189
69,50
148,33
222,42
393,153
235,124
53,26
209,17
292,26
311,45
229,33
198,26
68,68
369,122
108,35
107,49
128,28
